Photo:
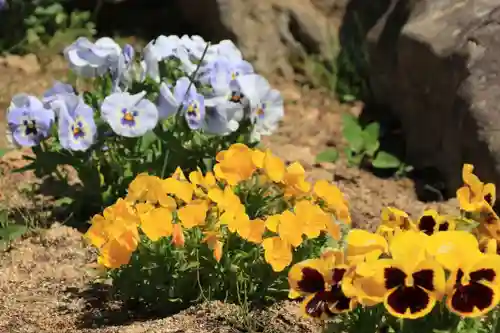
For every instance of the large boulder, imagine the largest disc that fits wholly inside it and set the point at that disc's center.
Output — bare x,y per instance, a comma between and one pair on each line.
436,65
270,33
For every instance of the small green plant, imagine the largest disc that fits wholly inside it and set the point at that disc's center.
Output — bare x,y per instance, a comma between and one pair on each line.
28,26
9,231
363,147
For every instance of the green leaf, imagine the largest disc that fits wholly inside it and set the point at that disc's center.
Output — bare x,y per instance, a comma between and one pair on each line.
384,160
329,155
64,201
352,132
371,134
147,140
353,158
3,152
12,232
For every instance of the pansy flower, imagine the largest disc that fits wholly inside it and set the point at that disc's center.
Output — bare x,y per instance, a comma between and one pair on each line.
412,286
186,97
90,59
472,288
29,122
266,104
58,89
129,115
76,126
474,194
319,281
431,222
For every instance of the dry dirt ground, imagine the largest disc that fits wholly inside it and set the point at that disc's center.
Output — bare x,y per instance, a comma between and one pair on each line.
44,277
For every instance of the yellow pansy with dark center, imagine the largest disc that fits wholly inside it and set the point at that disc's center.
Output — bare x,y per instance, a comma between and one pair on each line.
431,222
474,194
474,294
410,295
324,296
30,127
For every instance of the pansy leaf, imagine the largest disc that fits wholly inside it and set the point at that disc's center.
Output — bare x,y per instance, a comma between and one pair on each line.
329,155
352,132
370,137
147,140
384,160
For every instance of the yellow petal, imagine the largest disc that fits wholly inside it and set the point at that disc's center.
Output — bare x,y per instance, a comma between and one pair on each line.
274,166
193,214
157,223
277,253
272,223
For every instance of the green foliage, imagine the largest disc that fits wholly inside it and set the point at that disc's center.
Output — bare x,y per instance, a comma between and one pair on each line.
329,155
363,147
9,230
374,320
28,26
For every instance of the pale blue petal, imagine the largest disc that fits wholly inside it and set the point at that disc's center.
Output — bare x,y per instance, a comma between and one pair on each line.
167,104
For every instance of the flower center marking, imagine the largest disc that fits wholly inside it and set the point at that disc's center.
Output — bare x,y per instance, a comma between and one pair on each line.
236,97
30,127
129,117
261,110
193,109
77,129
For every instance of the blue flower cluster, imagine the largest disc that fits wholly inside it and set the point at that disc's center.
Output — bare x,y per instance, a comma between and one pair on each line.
234,93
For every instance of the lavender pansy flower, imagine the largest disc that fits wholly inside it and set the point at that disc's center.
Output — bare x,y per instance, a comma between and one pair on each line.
186,97
222,71
222,116
93,59
58,89
196,46
122,74
227,49
266,104
129,115
29,122
76,126
163,48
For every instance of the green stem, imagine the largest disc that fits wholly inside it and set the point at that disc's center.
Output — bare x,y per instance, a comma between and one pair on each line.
59,175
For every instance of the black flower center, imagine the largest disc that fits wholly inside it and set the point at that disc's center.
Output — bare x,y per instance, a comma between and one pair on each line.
475,295
30,127
403,297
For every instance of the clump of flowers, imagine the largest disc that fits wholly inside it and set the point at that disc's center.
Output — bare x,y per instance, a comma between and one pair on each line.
228,234
436,273
176,105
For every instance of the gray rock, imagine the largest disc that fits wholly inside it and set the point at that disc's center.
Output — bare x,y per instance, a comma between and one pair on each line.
270,33
436,65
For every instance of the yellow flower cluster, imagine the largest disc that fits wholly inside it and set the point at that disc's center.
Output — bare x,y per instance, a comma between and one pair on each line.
216,204
409,266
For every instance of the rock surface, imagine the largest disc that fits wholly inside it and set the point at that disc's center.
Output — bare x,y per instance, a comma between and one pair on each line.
269,32
436,65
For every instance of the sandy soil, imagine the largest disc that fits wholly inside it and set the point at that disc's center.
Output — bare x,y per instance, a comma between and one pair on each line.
44,278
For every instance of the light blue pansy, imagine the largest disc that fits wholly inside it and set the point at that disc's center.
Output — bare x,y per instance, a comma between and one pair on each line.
266,104
92,59
29,122
76,126
129,115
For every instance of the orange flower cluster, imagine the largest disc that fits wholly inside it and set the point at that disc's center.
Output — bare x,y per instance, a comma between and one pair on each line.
286,209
